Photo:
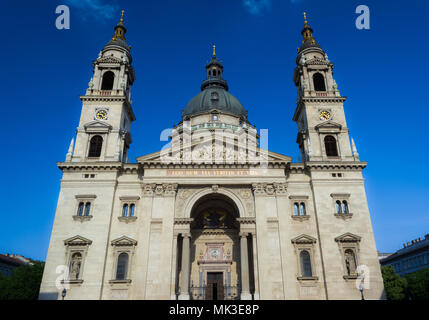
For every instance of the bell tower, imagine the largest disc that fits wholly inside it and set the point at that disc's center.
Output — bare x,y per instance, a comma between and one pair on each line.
322,129
104,128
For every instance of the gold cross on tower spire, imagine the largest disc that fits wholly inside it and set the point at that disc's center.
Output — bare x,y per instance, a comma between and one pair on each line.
122,17
214,51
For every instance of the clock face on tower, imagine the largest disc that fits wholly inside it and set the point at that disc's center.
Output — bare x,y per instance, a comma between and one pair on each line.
101,114
325,115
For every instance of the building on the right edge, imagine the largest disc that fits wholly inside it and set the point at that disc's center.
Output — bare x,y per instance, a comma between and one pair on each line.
411,258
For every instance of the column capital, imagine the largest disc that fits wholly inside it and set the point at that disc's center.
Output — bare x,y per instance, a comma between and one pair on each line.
243,234
186,235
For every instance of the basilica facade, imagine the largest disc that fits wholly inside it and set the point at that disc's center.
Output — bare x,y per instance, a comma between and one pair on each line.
215,215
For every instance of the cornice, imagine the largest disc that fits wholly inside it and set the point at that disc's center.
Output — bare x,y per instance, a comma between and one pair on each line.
322,99
161,165
99,166
335,165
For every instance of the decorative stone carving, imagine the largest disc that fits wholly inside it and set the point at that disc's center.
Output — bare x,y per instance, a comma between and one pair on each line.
148,189
183,221
124,241
344,216
77,241
246,194
127,219
263,189
281,188
166,189
215,188
82,218
303,239
246,220
170,189
348,237
184,193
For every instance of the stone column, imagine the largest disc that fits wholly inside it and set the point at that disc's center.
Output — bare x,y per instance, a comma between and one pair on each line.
173,268
245,291
184,280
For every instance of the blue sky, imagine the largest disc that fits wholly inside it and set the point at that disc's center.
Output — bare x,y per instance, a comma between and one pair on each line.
379,70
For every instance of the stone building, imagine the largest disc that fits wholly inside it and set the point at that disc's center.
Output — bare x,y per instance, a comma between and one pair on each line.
411,258
214,215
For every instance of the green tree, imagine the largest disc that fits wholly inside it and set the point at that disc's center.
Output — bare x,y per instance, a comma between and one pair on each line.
394,285
23,284
418,284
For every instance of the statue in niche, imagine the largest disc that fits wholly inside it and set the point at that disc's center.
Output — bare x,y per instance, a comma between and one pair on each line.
350,262
75,265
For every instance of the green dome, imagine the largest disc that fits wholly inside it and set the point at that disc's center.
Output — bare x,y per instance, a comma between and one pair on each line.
215,98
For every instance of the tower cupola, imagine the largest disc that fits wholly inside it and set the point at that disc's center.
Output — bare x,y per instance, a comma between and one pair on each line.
307,37
214,69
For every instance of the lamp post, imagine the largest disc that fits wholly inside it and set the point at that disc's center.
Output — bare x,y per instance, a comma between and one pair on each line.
361,291
63,294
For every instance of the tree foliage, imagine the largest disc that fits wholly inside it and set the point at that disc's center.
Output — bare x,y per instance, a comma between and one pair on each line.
23,284
394,285
418,284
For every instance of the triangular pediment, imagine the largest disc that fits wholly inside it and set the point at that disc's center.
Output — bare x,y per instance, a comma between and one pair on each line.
264,154
124,241
328,126
304,239
97,126
348,237
77,241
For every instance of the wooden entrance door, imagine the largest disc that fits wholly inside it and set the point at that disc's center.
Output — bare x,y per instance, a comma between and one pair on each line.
214,286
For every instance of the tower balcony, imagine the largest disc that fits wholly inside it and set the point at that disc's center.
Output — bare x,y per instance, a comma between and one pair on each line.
106,93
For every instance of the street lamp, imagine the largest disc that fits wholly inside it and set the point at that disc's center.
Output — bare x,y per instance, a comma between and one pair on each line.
63,294
361,291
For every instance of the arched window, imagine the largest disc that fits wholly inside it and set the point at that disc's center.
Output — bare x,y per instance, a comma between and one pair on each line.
214,73
108,79
296,209
75,265
338,206
305,264
331,146
87,208
345,207
95,147
319,82
302,209
121,268
350,261
80,209
125,210
132,209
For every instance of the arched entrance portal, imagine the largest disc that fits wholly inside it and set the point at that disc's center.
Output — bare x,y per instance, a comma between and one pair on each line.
215,249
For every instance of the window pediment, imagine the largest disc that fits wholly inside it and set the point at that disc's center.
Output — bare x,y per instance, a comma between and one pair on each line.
77,241
97,126
328,126
348,237
124,241
304,239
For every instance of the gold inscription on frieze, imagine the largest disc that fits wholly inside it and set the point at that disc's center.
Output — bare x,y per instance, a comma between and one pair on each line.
210,173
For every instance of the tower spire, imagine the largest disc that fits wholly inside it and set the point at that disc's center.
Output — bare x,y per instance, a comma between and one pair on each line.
120,29
307,32
307,36
214,50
